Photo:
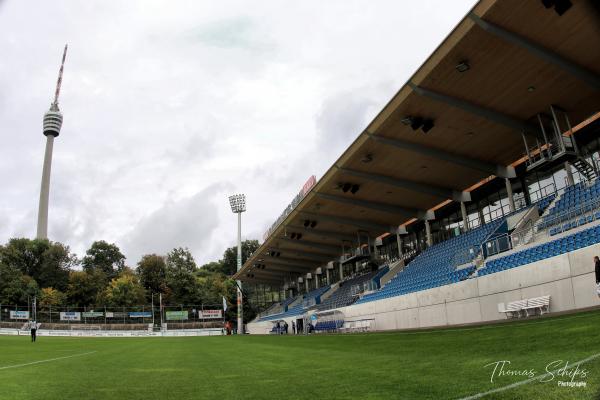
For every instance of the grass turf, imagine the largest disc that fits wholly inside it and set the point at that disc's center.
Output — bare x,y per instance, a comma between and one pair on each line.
436,364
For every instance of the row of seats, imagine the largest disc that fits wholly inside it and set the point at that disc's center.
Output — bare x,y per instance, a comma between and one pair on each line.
435,266
329,325
344,296
582,196
574,224
556,247
314,296
298,308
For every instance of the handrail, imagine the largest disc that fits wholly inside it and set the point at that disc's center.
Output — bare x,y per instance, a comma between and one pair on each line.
510,241
584,208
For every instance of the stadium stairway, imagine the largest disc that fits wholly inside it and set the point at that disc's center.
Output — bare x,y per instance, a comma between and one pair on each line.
299,304
344,295
393,270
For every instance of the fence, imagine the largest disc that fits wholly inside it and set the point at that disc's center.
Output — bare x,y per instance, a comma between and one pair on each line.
176,316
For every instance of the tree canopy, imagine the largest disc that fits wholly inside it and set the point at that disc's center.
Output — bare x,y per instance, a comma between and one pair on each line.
58,278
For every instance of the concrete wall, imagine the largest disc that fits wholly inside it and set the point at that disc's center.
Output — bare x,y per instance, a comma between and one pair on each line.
568,279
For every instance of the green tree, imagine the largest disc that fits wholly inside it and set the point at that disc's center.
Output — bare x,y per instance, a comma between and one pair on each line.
24,254
104,257
46,262
211,268
51,298
13,285
152,270
229,262
84,287
124,291
181,278
56,264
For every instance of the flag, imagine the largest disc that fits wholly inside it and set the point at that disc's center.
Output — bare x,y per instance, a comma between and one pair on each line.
224,304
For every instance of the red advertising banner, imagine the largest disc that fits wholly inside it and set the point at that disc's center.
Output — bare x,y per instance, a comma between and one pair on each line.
310,183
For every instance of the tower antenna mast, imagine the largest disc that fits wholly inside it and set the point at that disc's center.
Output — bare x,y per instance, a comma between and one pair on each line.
60,74
52,123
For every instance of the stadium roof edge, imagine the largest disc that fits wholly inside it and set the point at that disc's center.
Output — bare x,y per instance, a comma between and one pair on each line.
383,129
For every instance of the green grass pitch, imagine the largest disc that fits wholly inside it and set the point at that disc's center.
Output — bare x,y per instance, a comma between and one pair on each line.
435,364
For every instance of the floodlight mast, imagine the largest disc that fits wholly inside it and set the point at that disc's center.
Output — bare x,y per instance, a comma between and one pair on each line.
238,206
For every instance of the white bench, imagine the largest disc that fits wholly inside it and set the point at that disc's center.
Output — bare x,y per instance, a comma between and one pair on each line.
513,308
537,303
519,307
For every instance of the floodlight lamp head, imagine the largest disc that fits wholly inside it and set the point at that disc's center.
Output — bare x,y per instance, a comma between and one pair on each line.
237,203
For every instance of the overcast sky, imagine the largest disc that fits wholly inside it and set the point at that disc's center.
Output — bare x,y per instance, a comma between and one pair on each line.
170,106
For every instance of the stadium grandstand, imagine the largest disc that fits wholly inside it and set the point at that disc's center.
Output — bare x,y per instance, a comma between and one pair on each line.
471,197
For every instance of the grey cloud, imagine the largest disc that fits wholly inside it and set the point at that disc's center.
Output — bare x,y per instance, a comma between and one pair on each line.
164,102
189,222
237,32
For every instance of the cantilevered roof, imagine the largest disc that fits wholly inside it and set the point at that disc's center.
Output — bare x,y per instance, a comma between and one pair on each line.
522,57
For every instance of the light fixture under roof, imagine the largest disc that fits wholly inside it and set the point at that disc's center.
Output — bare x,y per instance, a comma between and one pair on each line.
416,123
531,89
367,158
463,66
427,125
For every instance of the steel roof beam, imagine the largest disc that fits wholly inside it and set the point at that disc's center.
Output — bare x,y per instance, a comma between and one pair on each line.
366,225
314,245
305,255
591,78
483,166
318,232
285,261
388,208
432,190
517,125
279,269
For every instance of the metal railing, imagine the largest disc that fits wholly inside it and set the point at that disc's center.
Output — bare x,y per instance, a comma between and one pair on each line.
584,208
542,192
570,219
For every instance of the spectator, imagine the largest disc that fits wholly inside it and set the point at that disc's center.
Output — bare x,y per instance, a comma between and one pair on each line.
33,327
285,327
597,268
294,327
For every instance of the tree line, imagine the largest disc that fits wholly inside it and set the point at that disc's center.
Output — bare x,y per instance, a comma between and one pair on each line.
58,278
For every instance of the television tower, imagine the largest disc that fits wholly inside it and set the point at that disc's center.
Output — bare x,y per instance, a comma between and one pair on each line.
52,124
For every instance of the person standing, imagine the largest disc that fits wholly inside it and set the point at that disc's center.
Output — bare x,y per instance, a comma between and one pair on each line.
33,327
294,327
597,268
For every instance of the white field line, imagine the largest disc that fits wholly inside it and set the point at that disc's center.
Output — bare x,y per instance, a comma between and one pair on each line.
45,361
537,378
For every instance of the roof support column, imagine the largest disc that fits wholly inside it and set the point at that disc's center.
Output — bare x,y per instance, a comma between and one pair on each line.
399,242
570,181
465,217
341,271
307,286
327,278
509,193
481,216
428,233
